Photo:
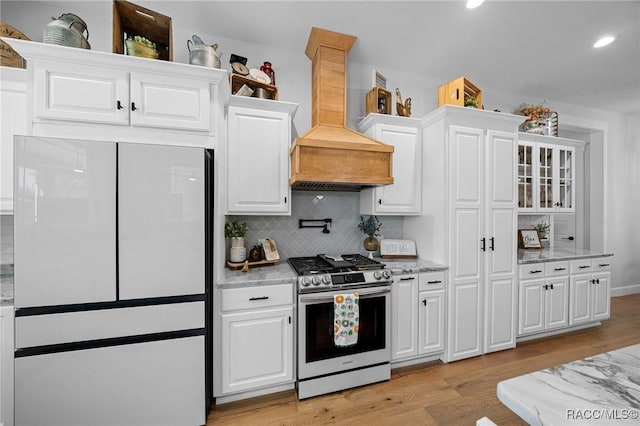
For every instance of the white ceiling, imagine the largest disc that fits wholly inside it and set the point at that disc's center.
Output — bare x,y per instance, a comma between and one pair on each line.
538,49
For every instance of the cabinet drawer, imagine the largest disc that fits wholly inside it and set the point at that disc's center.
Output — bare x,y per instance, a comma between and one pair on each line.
554,269
431,280
601,264
532,270
580,266
257,297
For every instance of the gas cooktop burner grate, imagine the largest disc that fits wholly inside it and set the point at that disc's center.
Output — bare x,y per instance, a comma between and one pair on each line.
323,264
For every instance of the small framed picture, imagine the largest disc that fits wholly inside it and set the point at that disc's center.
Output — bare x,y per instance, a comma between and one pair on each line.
378,80
529,239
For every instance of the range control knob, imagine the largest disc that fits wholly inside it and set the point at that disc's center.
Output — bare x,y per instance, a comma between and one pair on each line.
315,280
304,281
386,275
377,275
326,279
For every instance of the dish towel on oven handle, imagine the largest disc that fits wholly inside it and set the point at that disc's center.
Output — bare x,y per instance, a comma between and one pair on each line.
346,319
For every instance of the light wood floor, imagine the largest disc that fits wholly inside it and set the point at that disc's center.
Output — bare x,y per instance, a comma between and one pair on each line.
457,393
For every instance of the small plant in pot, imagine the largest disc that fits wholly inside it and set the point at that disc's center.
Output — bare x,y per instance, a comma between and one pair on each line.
235,231
370,227
543,230
471,102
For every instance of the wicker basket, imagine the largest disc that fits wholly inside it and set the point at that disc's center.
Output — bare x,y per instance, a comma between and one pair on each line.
138,49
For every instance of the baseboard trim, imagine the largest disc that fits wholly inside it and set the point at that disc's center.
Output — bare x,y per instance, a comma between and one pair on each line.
556,332
219,400
624,291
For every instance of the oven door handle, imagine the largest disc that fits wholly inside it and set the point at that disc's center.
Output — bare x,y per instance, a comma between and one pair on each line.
362,295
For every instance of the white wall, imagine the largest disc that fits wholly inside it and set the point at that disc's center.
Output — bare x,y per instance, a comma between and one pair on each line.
615,227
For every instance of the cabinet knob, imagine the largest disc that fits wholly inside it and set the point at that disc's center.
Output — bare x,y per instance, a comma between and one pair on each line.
119,105
492,246
424,302
380,201
483,247
133,106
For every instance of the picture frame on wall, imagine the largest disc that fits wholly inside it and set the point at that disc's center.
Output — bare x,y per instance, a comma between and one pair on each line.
529,239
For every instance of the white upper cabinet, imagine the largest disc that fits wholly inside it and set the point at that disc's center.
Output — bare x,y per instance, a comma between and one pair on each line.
403,197
547,177
75,92
97,94
257,156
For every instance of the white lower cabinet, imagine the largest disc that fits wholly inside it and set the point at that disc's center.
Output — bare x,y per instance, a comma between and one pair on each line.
404,320
6,364
431,322
590,299
543,304
257,337
417,315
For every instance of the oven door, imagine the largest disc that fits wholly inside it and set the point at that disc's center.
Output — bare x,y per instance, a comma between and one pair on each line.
317,352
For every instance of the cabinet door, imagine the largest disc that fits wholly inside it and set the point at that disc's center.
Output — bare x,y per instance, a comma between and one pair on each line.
161,220
500,318
404,196
565,182
531,306
465,322
466,194
527,189
258,162
78,92
257,349
431,322
170,102
13,121
580,305
556,302
601,299
546,178
404,311
64,222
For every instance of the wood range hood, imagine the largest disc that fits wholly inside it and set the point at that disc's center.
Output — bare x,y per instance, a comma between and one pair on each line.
330,156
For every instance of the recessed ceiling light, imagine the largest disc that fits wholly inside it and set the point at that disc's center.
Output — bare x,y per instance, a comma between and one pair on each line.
472,4
603,41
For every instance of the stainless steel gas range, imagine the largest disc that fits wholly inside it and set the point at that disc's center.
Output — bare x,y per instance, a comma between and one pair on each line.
323,366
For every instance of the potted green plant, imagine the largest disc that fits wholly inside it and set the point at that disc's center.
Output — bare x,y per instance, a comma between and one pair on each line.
543,229
471,102
370,227
235,231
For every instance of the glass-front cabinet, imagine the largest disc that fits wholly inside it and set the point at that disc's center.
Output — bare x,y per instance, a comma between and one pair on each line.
526,182
546,176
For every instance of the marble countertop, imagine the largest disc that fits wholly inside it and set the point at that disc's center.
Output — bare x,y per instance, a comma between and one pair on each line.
553,254
600,390
411,266
6,284
280,273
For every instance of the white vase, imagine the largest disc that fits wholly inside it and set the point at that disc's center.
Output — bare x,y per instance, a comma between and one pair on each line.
237,241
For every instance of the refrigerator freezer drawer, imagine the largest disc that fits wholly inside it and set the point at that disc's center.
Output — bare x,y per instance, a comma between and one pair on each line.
153,383
51,329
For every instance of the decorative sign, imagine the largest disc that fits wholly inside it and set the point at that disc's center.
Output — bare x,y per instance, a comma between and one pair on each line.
529,239
379,80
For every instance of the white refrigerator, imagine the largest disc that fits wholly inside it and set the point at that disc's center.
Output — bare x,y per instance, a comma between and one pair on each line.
112,283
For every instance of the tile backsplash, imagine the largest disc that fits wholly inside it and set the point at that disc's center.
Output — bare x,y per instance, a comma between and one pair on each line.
6,239
345,237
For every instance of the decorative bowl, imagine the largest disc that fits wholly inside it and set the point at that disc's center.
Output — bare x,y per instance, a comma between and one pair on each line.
138,49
